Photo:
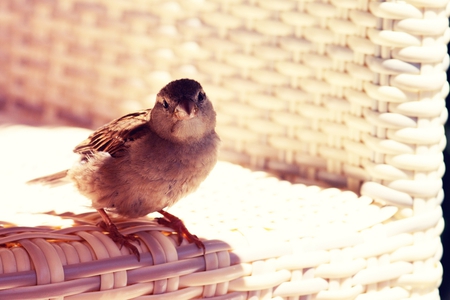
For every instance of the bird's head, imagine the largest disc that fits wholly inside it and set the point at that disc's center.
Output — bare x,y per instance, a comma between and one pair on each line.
183,112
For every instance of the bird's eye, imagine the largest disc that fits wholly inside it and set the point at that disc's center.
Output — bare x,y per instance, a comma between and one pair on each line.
201,96
165,104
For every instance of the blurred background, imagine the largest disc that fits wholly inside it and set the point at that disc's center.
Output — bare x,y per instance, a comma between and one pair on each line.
84,63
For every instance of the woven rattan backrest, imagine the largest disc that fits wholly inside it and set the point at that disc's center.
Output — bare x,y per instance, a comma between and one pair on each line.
343,92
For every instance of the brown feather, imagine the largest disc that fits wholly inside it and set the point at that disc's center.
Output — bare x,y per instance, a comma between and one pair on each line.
112,137
52,179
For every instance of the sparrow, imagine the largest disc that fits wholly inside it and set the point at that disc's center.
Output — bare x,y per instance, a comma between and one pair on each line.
146,161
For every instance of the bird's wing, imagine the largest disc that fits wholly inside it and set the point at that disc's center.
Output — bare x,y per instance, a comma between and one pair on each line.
112,137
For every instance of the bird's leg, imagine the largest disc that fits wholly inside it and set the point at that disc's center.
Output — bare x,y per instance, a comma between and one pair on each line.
176,224
115,235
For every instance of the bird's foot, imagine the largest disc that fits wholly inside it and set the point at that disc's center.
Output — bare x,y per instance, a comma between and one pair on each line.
178,226
121,239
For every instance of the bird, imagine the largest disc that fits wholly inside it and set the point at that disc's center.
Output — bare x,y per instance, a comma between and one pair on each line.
146,161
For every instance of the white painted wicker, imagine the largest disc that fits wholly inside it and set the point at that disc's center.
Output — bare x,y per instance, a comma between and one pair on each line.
345,94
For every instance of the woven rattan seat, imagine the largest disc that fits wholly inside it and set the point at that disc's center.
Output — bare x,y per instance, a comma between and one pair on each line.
331,117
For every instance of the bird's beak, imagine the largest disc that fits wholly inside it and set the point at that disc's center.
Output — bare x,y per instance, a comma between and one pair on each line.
185,110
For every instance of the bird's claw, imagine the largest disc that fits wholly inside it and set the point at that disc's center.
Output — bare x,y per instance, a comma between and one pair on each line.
121,239
178,226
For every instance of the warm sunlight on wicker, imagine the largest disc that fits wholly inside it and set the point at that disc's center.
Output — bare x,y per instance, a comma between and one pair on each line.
331,117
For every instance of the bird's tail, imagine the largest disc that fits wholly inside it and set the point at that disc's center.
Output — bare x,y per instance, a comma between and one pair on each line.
53,179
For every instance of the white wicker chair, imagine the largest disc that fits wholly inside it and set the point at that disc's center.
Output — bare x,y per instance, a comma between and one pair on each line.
345,95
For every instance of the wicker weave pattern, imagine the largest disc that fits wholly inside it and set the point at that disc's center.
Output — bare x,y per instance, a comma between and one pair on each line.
350,93
276,239
303,88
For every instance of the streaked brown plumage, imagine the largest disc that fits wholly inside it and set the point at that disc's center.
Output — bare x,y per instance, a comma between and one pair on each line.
148,160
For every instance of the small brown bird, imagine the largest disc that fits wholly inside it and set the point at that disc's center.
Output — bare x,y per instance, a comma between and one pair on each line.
148,160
